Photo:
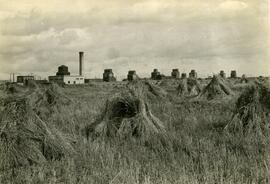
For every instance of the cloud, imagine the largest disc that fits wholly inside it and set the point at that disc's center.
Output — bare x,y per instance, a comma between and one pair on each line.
68,36
233,5
22,24
139,35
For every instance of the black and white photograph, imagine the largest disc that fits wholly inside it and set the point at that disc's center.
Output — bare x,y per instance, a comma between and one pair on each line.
134,91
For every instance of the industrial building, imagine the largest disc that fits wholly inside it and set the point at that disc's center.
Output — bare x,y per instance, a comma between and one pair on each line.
233,74
175,73
156,75
62,70
87,80
132,75
108,76
63,75
222,74
193,74
67,79
23,79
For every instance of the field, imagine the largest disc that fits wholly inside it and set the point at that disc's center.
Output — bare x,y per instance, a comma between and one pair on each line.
199,150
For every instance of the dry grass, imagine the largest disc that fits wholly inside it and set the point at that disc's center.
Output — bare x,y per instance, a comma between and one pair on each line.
128,115
252,112
189,87
202,153
25,138
217,88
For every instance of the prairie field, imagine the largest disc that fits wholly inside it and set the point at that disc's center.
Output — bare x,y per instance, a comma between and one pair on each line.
198,147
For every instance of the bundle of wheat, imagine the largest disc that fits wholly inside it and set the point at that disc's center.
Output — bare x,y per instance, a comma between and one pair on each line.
166,82
148,91
11,88
189,87
128,115
264,81
182,89
217,88
243,79
2,93
45,101
252,110
25,139
31,84
19,90
2,86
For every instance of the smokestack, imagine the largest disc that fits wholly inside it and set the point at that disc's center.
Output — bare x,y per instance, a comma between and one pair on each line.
81,63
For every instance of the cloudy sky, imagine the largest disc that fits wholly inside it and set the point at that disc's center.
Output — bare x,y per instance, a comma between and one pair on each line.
36,36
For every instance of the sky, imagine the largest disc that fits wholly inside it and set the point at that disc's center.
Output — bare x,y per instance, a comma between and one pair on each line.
36,36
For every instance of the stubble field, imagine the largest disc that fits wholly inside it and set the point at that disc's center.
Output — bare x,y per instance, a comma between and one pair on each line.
193,145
